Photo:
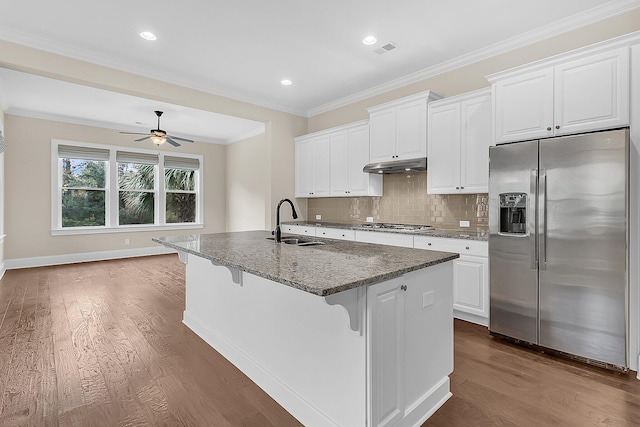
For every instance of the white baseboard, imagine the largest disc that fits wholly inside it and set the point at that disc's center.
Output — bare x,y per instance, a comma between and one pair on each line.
3,268
473,318
11,264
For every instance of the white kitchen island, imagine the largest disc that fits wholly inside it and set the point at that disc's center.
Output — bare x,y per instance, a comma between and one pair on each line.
341,334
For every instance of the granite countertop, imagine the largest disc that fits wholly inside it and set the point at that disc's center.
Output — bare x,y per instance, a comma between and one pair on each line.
469,234
322,270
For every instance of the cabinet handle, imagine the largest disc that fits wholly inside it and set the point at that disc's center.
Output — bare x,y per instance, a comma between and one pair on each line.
557,126
549,128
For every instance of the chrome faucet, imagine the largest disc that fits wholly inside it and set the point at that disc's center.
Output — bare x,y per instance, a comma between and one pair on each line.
277,233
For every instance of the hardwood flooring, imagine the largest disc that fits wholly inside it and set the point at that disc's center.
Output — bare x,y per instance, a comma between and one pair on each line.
102,344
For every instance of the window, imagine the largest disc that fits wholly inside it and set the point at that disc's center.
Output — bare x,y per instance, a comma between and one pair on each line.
99,188
179,178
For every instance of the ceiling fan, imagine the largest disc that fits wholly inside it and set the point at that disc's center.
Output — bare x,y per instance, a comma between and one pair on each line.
158,136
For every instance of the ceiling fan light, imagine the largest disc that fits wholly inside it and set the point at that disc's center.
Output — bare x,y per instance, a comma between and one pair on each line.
158,140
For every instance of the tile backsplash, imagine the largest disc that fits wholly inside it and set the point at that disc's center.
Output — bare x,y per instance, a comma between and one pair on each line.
406,201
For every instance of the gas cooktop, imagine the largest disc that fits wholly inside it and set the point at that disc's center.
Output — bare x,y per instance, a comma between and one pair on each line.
395,227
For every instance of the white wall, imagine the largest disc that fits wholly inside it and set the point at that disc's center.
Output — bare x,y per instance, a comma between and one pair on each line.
246,163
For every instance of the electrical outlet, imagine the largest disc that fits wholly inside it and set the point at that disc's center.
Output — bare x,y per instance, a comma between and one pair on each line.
318,217
464,224
369,219
126,241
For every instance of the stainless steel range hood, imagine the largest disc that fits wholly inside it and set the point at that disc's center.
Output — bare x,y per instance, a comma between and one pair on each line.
397,166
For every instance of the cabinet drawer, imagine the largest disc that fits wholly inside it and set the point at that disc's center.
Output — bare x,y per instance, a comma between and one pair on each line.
299,229
391,239
461,246
335,233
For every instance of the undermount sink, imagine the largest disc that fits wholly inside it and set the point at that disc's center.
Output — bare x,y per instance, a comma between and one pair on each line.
299,242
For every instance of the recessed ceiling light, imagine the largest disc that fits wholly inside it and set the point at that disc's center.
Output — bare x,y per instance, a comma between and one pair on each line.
148,35
369,40
286,82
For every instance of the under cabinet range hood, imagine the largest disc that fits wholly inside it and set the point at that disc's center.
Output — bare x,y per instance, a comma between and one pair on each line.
397,166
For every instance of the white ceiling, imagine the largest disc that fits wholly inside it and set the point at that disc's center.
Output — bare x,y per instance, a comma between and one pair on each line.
242,49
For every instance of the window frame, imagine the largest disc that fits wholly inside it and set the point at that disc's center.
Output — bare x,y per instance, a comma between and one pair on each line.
112,190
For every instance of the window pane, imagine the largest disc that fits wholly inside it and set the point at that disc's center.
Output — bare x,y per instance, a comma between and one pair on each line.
83,208
136,207
134,176
181,207
83,173
180,179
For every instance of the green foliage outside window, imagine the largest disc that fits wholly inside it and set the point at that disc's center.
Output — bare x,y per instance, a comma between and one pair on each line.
83,193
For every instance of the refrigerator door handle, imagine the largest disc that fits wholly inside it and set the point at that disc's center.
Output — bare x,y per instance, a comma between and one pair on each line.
533,190
542,220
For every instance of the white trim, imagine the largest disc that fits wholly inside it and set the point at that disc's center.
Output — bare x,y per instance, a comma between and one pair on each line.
576,21
3,269
122,229
2,236
42,261
331,130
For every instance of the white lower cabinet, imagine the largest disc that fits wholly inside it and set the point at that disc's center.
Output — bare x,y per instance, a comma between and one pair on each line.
470,271
336,233
299,229
386,340
381,238
470,275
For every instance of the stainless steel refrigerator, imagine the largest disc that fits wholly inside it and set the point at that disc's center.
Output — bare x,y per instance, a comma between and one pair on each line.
558,239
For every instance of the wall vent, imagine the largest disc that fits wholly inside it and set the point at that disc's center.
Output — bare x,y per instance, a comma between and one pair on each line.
386,48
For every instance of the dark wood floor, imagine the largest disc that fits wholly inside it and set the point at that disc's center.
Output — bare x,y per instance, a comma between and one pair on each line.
102,344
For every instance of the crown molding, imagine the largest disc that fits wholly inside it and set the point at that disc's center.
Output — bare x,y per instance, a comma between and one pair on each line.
590,16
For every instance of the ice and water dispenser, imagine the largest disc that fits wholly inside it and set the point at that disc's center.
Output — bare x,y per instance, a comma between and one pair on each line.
513,213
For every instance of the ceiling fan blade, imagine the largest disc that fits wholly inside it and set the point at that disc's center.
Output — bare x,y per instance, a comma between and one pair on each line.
182,139
142,139
172,142
133,133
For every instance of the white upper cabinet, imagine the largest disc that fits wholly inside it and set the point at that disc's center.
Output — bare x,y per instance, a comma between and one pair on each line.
398,129
459,140
329,163
312,167
580,93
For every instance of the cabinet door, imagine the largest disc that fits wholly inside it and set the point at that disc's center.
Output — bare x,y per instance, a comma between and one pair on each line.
411,130
385,302
339,170
475,139
524,106
321,160
359,158
382,128
471,285
304,168
443,170
592,93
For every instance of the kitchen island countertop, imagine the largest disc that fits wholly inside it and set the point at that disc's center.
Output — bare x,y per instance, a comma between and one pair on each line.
323,270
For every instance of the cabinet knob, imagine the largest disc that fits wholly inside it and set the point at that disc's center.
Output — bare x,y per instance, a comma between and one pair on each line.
557,126
428,244
457,188
461,188
403,287
549,128
467,248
